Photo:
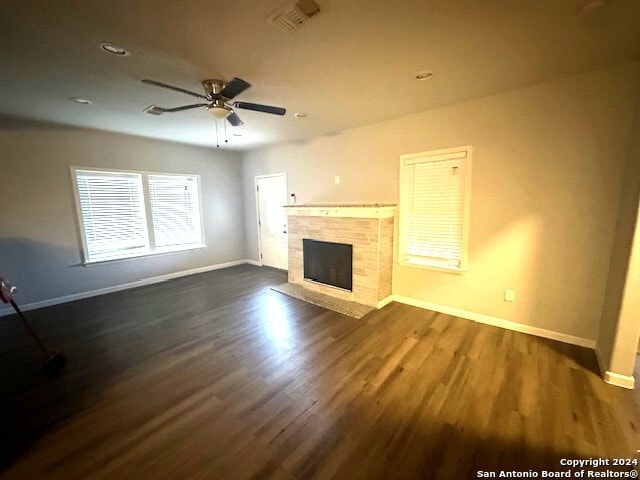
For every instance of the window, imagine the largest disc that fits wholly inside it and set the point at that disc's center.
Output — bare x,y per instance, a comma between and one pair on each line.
112,214
128,214
434,204
175,210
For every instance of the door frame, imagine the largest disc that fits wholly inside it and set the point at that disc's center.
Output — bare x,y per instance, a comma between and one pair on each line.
255,191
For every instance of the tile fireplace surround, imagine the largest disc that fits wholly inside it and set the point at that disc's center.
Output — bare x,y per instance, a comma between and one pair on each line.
369,228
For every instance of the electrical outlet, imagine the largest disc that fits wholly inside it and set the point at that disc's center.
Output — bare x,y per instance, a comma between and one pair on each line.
509,296
337,179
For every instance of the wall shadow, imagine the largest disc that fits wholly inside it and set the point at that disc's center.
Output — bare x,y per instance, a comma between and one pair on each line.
9,123
581,357
433,449
37,269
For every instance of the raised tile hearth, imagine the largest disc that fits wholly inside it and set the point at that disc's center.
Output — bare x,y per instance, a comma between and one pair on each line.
369,228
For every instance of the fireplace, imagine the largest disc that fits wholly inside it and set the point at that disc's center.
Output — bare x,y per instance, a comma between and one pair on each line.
329,263
366,230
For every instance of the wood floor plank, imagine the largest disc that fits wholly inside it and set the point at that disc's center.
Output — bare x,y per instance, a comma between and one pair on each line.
217,376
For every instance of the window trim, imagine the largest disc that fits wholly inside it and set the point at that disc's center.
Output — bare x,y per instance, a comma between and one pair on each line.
147,211
435,155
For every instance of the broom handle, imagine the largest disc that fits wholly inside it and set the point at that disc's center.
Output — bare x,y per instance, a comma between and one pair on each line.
45,352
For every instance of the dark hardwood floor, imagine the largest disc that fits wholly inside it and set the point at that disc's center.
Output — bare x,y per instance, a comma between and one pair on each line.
216,376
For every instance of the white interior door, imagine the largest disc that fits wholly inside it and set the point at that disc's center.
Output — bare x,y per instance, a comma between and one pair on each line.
271,194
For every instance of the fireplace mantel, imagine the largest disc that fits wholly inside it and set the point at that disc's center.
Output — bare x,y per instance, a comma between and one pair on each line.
342,210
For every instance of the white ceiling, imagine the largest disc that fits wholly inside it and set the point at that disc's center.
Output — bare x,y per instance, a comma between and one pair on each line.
352,64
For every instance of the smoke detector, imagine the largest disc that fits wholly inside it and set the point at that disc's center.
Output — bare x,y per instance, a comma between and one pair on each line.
293,15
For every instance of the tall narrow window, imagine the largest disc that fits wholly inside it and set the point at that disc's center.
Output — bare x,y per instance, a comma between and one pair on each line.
112,214
434,199
175,209
128,214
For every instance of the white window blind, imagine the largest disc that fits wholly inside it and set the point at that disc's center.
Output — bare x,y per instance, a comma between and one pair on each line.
112,214
433,202
126,214
175,210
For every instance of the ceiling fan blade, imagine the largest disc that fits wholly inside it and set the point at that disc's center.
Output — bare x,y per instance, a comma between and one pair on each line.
234,88
186,107
171,87
154,110
260,108
234,119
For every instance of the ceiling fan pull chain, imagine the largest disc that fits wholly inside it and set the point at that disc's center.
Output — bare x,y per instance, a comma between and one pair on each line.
217,139
226,140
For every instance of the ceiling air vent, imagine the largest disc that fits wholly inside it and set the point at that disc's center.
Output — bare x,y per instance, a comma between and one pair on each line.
292,16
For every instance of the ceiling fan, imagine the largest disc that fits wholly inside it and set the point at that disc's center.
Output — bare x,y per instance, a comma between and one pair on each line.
217,94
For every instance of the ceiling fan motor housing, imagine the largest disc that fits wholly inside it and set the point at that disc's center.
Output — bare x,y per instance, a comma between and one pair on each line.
214,87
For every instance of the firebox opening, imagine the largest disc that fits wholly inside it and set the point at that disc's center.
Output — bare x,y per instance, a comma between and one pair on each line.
328,262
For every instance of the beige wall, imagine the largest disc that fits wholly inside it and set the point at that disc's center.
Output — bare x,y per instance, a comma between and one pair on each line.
547,175
39,246
618,338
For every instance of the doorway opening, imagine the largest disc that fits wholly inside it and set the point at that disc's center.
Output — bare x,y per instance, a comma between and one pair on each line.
271,197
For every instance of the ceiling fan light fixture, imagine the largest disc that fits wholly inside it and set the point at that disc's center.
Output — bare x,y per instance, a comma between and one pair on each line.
220,112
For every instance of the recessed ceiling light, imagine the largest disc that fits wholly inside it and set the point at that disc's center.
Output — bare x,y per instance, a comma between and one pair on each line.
82,101
421,76
300,115
114,49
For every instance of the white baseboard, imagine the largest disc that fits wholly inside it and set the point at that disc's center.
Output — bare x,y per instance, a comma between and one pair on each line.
498,322
125,286
253,262
624,381
612,378
385,302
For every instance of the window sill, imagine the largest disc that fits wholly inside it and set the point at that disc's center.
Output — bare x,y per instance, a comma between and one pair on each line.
437,268
143,255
